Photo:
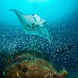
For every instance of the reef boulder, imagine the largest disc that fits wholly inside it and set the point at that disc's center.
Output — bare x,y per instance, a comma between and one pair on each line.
37,68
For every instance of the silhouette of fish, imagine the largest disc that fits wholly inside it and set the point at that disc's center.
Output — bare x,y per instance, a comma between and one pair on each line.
33,24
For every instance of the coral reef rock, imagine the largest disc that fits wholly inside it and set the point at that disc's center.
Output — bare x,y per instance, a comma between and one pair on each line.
36,68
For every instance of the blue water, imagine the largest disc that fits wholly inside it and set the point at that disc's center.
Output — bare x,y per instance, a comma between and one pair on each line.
62,17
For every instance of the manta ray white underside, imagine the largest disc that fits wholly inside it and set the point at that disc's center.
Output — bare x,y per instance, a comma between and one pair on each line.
33,24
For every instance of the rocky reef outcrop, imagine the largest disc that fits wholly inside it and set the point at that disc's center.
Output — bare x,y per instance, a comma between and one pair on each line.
30,65
33,69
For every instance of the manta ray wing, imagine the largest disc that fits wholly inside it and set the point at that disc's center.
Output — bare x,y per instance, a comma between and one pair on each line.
33,24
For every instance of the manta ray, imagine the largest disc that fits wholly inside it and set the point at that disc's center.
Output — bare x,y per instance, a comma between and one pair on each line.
33,24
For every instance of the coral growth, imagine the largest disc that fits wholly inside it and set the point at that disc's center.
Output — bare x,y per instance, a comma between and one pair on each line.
37,68
28,64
